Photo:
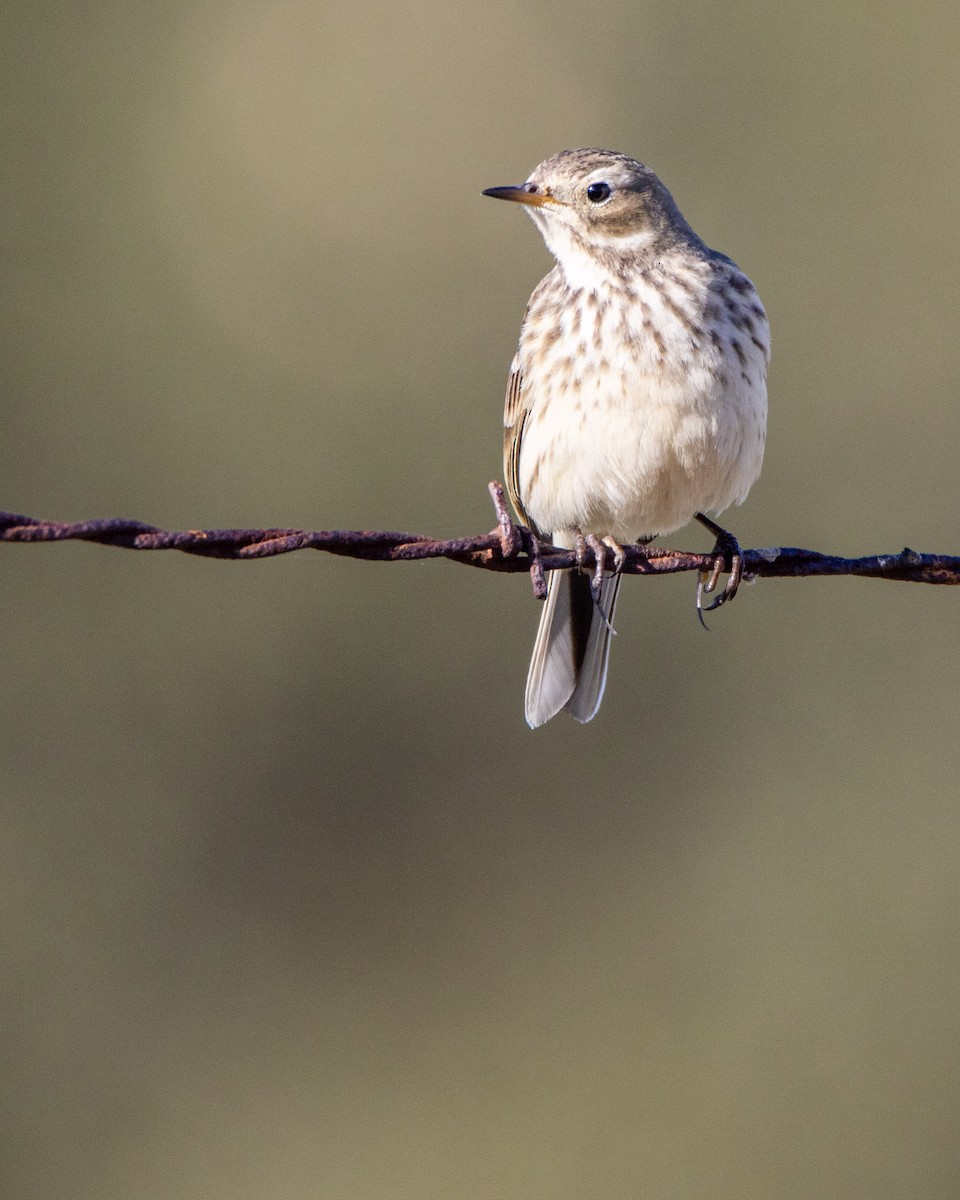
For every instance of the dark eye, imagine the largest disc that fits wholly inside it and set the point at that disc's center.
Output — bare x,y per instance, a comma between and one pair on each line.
598,192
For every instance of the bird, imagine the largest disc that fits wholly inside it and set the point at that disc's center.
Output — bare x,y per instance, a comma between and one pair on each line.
636,401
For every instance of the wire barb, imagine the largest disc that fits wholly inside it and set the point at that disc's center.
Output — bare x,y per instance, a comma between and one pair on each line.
508,547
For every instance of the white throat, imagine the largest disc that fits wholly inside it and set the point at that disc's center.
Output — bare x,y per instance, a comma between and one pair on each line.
582,267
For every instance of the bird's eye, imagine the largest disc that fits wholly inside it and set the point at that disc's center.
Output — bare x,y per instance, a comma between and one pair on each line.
598,192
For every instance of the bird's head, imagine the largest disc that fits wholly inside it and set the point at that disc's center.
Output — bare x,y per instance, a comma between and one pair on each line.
598,203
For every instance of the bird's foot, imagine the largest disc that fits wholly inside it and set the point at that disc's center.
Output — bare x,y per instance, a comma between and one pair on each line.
585,547
727,557
598,548
599,564
618,552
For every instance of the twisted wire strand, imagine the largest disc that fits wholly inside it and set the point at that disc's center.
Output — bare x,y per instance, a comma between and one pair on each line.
508,547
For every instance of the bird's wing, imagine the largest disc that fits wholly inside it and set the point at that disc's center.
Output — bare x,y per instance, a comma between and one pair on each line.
515,412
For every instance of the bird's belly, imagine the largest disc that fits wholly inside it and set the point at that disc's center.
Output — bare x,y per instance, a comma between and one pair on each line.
640,458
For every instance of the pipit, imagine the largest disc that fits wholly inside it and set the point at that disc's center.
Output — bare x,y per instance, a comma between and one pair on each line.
637,399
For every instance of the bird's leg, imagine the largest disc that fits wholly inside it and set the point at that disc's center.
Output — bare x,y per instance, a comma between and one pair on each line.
728,557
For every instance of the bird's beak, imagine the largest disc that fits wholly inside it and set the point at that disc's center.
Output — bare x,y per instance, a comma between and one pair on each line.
524,194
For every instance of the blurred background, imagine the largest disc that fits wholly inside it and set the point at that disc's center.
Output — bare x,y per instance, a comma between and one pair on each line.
293,903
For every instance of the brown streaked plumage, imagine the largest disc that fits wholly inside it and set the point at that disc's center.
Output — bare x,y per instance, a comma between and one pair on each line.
636,400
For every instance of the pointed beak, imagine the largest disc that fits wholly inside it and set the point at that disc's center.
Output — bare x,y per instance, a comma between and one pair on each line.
526,193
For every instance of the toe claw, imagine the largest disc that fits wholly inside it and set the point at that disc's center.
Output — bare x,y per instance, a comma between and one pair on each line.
701,589
732,584
727,556
713,578
619,554
599,562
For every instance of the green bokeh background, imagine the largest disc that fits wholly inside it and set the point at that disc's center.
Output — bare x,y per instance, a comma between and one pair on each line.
293,903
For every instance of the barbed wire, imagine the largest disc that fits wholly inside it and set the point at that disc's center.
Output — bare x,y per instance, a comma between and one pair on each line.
508,547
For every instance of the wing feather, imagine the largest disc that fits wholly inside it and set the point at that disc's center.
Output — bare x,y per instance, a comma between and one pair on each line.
515,412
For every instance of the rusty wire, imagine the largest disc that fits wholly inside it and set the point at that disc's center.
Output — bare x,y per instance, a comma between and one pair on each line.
508,547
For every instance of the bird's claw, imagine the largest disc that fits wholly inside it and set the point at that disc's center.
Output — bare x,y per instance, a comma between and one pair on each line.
598,548
599,563
618,552
727,556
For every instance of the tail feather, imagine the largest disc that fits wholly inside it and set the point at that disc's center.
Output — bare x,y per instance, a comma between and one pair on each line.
569,664
588,693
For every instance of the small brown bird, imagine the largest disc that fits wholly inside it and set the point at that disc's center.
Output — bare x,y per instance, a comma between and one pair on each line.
637,399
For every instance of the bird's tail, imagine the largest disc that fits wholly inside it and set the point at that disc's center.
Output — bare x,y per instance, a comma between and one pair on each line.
569,664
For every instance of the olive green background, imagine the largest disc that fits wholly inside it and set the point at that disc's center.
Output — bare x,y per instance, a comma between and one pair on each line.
293,903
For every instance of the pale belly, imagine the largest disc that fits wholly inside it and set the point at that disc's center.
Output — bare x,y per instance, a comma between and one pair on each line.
636,455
